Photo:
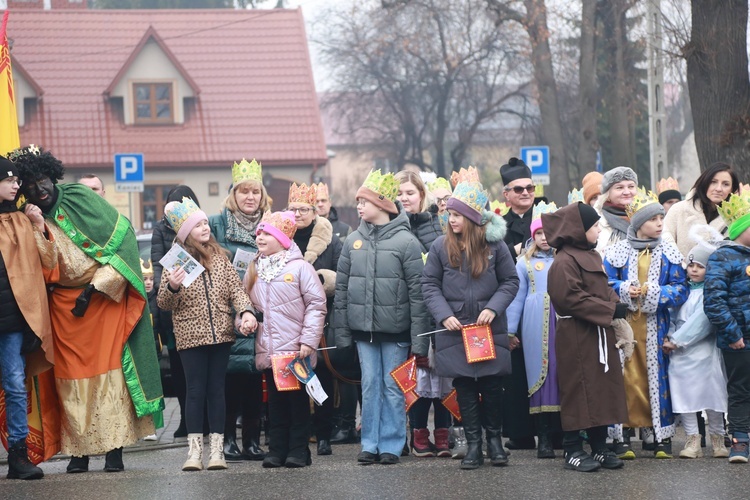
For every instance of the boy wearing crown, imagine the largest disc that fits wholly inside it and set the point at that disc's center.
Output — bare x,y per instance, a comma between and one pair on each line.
726,301
647,274
107,373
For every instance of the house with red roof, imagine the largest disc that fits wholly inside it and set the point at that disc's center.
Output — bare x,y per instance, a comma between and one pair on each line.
192,90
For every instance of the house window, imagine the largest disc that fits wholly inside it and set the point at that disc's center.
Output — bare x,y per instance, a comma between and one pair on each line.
152,203
153,103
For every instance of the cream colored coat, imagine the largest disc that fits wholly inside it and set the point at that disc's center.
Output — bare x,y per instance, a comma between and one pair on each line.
681,217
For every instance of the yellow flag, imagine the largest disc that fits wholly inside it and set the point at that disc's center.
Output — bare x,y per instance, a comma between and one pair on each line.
9,139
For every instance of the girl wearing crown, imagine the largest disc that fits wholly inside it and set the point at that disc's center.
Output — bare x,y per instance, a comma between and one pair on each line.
647,275
287,291
380,307
203,327
532,310
469,279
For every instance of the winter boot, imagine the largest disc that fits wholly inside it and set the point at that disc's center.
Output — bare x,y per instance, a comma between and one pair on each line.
232,451
345,434
717,443
692,447
251,449
469,405
441,443
492,407
19,465
460,446
113,461
422,446
195,453
78,464
544,448
216,459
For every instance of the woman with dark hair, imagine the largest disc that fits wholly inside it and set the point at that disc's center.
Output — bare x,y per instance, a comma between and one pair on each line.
711,188
161,242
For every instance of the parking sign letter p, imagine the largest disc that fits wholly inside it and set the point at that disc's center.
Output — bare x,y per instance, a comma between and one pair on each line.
128,165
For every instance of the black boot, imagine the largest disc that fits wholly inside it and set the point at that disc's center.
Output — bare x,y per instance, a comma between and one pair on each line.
78,464
251,449
469,405
346,433
324,447
492,409
19,465
232,452
544,448
113,461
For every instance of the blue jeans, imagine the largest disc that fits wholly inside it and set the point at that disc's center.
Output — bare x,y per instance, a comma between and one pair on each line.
383,410
13,364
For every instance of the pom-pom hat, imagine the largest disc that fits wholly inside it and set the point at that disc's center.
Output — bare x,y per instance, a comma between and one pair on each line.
280,225
183,217
470,200
513,170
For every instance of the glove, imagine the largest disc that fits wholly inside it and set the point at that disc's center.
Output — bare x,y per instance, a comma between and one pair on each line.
82,302
423,361
624,336
621,311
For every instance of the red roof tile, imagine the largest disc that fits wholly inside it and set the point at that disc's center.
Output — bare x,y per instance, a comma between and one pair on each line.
257,95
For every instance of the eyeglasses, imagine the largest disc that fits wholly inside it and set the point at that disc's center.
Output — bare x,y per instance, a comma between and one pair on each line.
13,180
520,189
444,199
301,211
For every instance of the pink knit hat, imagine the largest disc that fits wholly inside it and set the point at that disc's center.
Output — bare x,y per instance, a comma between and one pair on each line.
280,225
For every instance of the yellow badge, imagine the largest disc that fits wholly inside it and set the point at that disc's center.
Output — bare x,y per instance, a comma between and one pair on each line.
357,245
747,270
288,278
539,266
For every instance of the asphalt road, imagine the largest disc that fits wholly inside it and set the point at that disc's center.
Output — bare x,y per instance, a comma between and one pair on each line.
157,474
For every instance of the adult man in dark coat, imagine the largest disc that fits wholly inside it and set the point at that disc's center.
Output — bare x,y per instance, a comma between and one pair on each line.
519,194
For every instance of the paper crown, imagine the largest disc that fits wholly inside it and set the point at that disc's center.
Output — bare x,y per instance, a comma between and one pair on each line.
499,207
641,199
471,194
575,196
280,225
30,149
178,212
744,187
543,208
146,268
321,190
465,175
303,193
244,172
736,207
384,185
666,185
439,183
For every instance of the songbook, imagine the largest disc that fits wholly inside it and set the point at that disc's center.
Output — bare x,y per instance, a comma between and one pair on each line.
478,343
405,375
451,404
283,377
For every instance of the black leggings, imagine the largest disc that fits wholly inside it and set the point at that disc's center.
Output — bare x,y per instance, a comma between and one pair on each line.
205,372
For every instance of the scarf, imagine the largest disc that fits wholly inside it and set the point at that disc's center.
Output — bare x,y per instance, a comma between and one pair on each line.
616,219
271,266
642,243
695,286
241,227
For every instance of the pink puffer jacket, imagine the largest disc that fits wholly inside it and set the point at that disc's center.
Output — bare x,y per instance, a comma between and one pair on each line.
294,310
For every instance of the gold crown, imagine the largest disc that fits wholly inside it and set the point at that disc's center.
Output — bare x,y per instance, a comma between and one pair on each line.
439,183
736,207
666,185
321,189
384,185
283,221
499,207
146,268
641,199
465,175
244,172
303,193
744,187
575,196
543,208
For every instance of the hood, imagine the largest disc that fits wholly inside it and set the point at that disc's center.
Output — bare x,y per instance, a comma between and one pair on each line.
734,246
333,215
398,223
565,227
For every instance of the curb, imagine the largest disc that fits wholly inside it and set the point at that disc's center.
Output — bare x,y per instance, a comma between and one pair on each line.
129,449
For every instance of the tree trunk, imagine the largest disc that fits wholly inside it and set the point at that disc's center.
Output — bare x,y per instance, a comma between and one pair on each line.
544,76
718,82
588,144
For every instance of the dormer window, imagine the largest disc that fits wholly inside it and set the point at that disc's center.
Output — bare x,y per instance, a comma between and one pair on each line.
153,103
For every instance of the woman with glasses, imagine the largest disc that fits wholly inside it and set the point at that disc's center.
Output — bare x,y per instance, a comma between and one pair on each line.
234,229
321,248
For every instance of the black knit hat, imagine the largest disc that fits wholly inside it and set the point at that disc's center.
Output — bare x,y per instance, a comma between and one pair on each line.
7,168
514,169
589,216
669,194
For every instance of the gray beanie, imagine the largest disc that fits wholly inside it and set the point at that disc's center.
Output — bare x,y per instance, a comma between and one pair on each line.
700,253
618,174
644,214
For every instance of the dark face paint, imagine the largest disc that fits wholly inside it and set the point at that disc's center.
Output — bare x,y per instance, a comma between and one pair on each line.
41,192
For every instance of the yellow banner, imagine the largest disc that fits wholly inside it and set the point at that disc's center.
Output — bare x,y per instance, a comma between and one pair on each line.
9,139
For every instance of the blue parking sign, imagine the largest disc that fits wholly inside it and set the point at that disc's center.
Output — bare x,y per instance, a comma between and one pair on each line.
129,167
537,158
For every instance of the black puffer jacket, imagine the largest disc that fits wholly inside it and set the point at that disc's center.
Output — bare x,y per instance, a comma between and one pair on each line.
161,242
426,227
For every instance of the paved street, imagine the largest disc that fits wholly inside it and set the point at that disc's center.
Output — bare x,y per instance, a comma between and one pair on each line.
154,473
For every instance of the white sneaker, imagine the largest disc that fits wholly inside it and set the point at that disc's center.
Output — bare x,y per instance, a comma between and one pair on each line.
151,437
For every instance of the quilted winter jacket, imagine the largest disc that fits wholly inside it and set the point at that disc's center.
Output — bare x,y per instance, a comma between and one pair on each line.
378,292
726,294
202,312
294,310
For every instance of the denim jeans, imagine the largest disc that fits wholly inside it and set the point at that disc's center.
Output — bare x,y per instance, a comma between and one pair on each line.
383,410
12,365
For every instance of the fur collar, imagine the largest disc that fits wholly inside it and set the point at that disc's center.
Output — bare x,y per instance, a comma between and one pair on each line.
321,237
496,226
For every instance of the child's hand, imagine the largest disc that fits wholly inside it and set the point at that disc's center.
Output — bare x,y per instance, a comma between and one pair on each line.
635,292
485,317
176,278
452,323
305,351
740,344
249,323
668,346
513,342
